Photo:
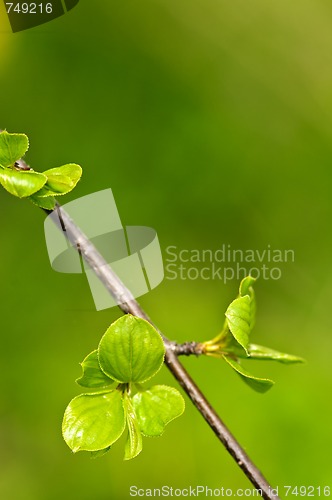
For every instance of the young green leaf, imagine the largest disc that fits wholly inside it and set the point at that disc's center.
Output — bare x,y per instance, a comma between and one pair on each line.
252,309
47,203
258,384
134,443
246,286
100,453
240,320
231,346
156,407
94,422
93,376
131,350
61,180
238,316
264,353
12,148
21,183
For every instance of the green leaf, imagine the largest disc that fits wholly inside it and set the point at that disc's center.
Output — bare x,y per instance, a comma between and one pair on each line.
264,353
231,346
61,180
134,443
94,422
246,286
47,203
21,183
238,316
131,350
156,407
258,384
241,314
100,453
252,310
12,148
240,320
93,376
247,289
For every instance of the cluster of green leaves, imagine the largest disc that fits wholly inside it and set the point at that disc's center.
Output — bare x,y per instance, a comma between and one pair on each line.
130,353
233,343
39,187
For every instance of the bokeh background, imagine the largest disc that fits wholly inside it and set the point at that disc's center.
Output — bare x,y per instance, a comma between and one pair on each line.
212,123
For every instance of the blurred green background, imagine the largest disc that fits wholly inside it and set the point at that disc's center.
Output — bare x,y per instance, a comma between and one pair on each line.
212,123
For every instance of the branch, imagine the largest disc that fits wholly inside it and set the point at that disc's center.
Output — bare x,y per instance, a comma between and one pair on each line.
188,349
128,304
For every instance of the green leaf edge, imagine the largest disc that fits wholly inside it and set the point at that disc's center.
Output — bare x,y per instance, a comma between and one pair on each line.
264,384
84,376
99,453
245,285
47,203
280,357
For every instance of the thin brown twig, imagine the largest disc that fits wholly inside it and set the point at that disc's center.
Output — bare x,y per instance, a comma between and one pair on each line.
128,304
189,349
